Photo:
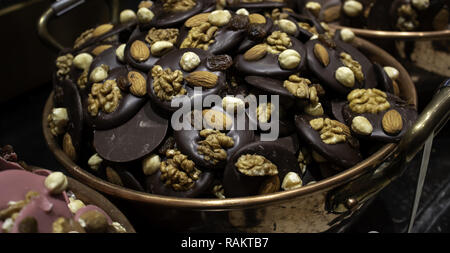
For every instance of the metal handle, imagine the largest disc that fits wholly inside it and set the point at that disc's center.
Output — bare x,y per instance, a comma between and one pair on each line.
60,7
435,115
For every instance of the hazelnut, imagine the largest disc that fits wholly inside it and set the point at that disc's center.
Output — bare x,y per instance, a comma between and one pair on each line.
287,26
75,205
219,17
95,161
347,35
93,222
242,11
289,59
83,61
99,74
189,61
145,15
352,8
151,164
361,125
56,183
392,72
314,7
345,76
159,48
60,116
421,4
127,16
291,181
120,52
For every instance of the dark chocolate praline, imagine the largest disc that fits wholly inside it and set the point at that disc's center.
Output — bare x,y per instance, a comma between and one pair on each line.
269,66
135,139
187,141
237,184
342,154
128,106
172,61
327,74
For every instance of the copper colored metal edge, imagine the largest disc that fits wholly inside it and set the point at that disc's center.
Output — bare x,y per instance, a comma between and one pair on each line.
380,34
406,87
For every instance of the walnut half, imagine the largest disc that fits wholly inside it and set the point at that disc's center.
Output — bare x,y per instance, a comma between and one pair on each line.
214,145
331,131
256,165
167,83
179,172
367,101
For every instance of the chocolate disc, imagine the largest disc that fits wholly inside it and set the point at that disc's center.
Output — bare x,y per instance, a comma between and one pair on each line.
172,61
268,65
128,106
237,184
187,142
136,138
156,186
342,154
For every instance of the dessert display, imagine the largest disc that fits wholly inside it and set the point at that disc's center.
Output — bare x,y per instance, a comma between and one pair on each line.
40,201
388,15
194,99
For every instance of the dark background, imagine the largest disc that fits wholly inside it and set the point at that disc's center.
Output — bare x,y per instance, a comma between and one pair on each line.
25,86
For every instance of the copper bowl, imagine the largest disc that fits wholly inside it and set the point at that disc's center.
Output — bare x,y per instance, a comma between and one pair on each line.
327,205
313,208
92,197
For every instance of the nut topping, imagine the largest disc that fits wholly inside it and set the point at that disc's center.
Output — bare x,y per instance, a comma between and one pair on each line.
178,5
219,17
138,84
345,77
63,63
361,125
102,29
104,96
213,146
197,20
289,59
321,54
169,34
255,53
256,18
367,101
200,36
189,61
203,79
256,165
139,51
167,83
331,131
159,48
278,42
216,119
392,122
68,147
56,182
356,68
291,181
178,171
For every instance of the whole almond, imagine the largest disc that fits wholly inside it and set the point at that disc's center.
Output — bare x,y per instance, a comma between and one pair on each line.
99,49
139,51
321,54
68,147
102,29
197,20
255,53
138,83
256,18
392,122
332,13
204,79
216,119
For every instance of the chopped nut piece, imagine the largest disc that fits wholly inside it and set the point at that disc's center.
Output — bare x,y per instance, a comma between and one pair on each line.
291,181
189,61
63,63
151,164
392,72
264,112
120,52
58,120
200,36
167,83
345,76
314,109
356,68
289,59
179,172
303,159
218,191
213,146
278,42
178,5
104,96
256,165
95,161
83,79
276,14
169,34
75,205
299,87
367,101
331,131
361,125
56,182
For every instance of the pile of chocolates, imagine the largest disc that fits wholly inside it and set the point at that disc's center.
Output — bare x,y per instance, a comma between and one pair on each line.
395,15
294,102
39,201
